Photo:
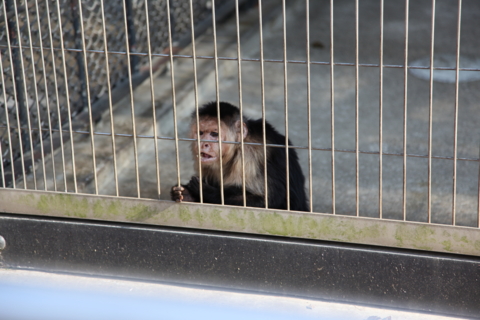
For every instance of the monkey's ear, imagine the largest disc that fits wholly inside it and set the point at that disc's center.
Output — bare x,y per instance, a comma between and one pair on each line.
238,123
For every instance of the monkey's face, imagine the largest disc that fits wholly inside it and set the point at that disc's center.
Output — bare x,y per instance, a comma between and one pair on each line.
209,150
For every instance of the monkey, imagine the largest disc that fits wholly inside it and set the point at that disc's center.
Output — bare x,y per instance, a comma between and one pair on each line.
231,130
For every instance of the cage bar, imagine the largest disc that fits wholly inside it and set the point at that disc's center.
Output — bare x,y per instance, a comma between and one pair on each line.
37,104
89,98
357,175
20,140
405,111
262,86
380,115
240,103
110,102
152,92
332,104
455,125
430,112
132,103
67,97
285,97
174,98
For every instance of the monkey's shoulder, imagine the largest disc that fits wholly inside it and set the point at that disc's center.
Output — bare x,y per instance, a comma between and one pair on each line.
255,129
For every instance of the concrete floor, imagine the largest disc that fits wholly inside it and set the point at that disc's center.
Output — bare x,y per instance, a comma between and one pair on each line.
344,106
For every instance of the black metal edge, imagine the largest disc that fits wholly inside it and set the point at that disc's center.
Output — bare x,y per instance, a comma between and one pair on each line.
445,284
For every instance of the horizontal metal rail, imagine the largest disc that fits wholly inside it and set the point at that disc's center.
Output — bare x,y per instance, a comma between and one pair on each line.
318,226
143,136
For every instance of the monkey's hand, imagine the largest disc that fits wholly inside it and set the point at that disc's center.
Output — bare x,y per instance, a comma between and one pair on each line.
180,193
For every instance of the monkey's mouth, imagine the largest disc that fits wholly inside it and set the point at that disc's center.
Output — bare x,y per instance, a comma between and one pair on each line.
207,158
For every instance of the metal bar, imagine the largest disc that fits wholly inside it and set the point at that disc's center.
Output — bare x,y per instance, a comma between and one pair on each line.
174,100
217,97
358,230
16,98
405,108
25,96
430,118
110,102
262,80
380,115
125,135
332,103
132,103
2,168
131,34
186,56
7,120
309,113
285,97
57,95
240,103
87,84
67,97
39,122
74,19
47,99
152,91
455,143
195,90
357,177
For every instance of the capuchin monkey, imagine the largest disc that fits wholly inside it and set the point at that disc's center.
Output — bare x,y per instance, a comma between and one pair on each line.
232,163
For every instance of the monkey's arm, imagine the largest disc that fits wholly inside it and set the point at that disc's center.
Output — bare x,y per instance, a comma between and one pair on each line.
233,195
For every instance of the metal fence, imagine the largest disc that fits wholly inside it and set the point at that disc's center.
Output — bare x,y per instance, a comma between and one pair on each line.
50,46
40,51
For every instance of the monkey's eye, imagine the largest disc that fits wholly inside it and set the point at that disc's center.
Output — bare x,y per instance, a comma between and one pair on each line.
201,133
214,134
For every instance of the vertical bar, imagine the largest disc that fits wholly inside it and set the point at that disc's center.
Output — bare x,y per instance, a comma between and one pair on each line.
174,100
110,103
332,106
154,113
217,93
67,95
455,145
60,127
240,101
132,103
47,99
262,79
195,90
285,92
357,182
85,66
1,164
131,34
405,108
27,107
7,120
34,74
430,120
380,116
74,19
12,68
309,115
